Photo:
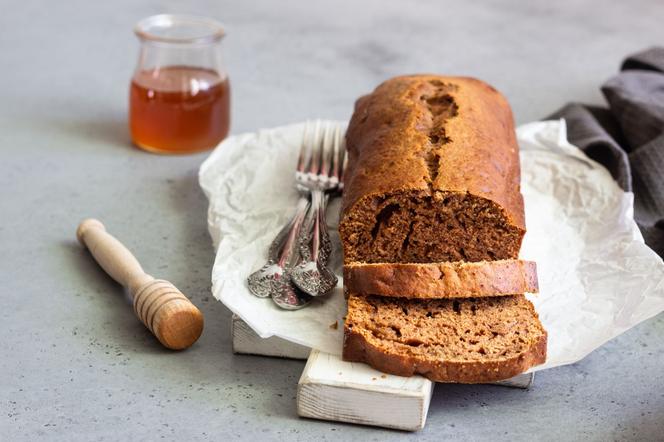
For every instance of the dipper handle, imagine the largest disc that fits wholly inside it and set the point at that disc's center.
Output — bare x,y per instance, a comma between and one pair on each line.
164,310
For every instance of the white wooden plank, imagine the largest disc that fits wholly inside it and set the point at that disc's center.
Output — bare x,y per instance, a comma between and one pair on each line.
246,341
332,389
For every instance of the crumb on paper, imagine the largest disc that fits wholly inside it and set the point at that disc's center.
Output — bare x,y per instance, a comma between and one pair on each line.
383,376
373,379
334,325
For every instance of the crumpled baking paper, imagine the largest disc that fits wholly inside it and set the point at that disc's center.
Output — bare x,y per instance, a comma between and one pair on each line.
597,277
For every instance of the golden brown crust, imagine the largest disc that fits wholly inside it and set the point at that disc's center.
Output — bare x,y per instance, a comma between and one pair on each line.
442,280
385,140
358,349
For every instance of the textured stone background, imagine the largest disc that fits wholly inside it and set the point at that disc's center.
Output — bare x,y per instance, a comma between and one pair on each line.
76,364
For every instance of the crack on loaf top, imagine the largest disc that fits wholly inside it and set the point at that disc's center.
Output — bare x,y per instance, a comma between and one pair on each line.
440,107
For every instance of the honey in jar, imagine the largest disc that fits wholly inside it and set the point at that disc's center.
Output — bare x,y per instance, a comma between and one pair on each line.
179,98
179,109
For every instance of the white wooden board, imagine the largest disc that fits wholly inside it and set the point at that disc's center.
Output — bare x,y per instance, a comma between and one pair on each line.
246,341
332,389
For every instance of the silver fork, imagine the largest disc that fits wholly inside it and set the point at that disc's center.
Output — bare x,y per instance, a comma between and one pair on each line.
273,279
319,172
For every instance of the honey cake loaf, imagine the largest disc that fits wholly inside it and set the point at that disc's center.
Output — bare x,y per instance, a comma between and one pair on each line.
466,340
442,280
433,174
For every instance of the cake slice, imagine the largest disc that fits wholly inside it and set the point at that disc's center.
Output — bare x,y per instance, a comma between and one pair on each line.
442,280
473,340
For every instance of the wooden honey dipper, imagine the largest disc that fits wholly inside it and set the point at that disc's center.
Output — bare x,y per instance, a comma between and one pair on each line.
164,310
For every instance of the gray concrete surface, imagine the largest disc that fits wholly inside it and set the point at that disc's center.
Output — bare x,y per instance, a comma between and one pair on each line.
74,362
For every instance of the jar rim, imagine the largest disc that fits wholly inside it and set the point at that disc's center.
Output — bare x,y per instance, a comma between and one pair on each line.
192,29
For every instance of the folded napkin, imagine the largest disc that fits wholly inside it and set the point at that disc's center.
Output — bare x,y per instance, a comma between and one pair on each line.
628,136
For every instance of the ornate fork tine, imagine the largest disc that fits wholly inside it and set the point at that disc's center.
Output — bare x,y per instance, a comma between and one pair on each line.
304,151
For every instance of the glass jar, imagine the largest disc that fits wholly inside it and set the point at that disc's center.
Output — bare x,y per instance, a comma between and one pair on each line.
179,99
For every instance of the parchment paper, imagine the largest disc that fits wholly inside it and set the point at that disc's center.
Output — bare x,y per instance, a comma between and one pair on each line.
597,277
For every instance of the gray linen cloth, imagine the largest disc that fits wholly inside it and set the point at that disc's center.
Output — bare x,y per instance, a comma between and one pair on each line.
628,136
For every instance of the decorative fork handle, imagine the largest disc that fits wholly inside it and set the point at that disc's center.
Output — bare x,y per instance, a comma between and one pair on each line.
273,279
285,257
314,239
278,243
325,243
316,202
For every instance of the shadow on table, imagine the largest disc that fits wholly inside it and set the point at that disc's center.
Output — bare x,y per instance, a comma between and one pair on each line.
563,404
268,385
208,371
108,304
113,130
107,128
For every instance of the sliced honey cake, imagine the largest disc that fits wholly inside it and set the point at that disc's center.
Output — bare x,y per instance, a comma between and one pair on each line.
446,340
433,174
